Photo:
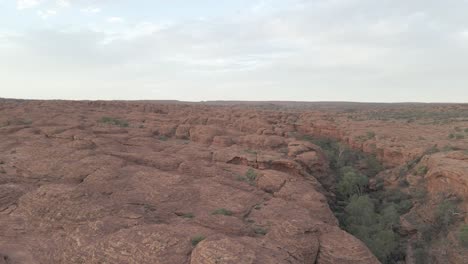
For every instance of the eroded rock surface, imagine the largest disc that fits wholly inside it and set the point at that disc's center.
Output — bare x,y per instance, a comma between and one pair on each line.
167,183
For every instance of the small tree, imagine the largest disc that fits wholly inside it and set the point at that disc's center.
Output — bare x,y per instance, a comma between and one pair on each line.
463,236
360,211
370,134
445,214
352,183
384,242
420,254
373,166
390,217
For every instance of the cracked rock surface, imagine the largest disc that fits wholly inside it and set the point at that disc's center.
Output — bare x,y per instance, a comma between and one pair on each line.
178,184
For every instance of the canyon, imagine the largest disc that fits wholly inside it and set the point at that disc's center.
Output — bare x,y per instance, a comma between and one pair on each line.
219,182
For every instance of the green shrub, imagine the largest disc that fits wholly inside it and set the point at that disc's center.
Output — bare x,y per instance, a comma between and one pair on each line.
396,196
370,134
404,206
114,121
163,138
421,255
17,122
221,211
445,214
451,136
399,199
249,151
421,170
260,231
420,193
403,183
431,150
390,217
360,211
384,242
380,184
307,138
373,166
375,230
448,148
403,171
427,232
188,215
463,236
459,136
197,239
24,122
352,183
251,175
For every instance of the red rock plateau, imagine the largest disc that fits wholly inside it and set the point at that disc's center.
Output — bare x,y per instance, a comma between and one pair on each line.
219,182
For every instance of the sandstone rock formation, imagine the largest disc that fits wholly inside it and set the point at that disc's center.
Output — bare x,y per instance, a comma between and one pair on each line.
162,183
190,183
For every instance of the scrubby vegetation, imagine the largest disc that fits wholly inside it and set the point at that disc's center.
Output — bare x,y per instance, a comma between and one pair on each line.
163,138
368,136
422,170
370,215
221,211
341,156
197,239
449,115
463,236
249,151
249,177
113,121
260,231
371,212
188,215
17,122
444,216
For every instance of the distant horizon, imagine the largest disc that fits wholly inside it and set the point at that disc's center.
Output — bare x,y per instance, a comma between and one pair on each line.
257,50
225,101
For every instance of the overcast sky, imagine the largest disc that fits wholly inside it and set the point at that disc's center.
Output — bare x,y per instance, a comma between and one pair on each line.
302,50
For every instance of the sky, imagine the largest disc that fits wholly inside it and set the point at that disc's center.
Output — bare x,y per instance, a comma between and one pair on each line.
287,50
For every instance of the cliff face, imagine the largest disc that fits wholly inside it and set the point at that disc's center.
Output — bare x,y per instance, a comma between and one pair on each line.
446,180
121,182
428,154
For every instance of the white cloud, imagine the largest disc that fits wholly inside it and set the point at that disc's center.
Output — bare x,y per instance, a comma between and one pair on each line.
45,14
139,30
463,34
25,4
115,20
63,3
91,10
327,50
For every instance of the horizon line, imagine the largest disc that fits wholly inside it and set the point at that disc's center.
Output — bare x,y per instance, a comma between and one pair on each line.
228,101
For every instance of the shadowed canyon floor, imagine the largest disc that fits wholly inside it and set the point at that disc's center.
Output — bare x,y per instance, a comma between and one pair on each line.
155,182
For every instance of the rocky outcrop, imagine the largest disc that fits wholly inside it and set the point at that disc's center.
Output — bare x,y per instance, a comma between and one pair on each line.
178,184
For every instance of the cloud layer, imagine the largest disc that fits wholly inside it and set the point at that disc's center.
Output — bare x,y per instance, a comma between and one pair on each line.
360,50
